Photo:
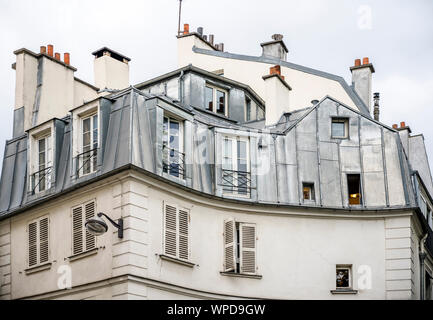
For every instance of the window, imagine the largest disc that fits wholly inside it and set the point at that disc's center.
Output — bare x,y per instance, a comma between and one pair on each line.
38,237
82,240
176,232
339,128
308,191
354,188
216,100
89,143
41,178
247,109
236,177
344,277
172,142
239,247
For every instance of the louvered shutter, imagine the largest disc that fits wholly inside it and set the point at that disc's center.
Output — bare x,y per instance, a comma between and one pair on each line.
33,244
248,248
170,230
183,234
89,238
77,230
229,245
43,240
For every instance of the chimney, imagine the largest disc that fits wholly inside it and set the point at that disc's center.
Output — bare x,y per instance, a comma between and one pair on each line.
111,69
43,49
277,94
211,39
186,28
67,58
376,112
50,50
57,56
362,80
200,31
404,131
275,49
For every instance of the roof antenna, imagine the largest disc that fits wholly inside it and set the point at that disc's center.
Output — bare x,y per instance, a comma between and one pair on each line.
180,11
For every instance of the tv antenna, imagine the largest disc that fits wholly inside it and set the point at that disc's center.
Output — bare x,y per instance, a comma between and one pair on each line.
180,12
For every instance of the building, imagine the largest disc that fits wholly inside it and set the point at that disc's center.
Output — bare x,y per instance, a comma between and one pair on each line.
234,177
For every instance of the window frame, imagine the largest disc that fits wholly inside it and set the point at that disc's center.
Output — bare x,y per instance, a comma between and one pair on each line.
361,194
181,122
178,209
310,185
350,273
82,117
234,163
214,100
343,120
38,243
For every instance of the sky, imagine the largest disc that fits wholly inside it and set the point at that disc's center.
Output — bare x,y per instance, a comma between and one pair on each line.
396,35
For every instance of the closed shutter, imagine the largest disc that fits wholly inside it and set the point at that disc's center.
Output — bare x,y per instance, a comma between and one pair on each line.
77,230
248,248
89,238
183,234
170,230
43,240
229,245
33,244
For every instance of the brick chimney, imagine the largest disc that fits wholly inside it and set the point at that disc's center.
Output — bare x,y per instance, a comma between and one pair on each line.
111,69
275,49
362,80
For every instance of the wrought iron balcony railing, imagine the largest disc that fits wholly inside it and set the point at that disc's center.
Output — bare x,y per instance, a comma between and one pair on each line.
236,182
173,162
87,162
41,180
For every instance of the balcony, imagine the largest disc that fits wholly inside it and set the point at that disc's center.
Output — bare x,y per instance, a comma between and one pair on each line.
173,162
41,180
87,162
236,182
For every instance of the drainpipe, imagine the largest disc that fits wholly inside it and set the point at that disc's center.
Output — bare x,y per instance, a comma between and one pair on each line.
422,256
181,87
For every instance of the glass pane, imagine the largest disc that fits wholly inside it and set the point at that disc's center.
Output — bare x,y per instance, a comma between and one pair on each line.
86,125
242,149
307,193
95,122
174,142
338,129
165,132
41,145
209,99
221,101
343,278
174,128
86,139
42,160
228,148
248,110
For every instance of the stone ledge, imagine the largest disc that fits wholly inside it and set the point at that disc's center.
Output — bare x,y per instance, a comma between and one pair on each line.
176,260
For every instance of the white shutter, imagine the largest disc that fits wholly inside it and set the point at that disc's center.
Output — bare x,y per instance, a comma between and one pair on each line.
248,248
77,230
33,243
43,240
229,245
170,230
89,238
183,234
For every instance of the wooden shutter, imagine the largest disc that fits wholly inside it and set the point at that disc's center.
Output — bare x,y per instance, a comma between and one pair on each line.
248,248
77,230
43,240
183,234
170,230
89,238
33,243
229,245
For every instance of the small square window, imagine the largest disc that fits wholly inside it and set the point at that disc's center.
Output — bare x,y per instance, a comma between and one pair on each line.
339,128
308,191
343,277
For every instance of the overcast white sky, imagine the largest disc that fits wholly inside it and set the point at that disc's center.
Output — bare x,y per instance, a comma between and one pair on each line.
326,35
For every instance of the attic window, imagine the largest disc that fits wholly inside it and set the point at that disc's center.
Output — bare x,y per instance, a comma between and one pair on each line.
216,100
247,109
354,186
308,191
343,277
340,128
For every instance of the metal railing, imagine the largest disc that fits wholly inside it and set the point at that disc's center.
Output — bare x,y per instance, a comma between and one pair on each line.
173,162
87,162
236,182
41,179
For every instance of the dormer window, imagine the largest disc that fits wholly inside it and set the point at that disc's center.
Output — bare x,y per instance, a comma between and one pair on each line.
41,177
216,100
172,147
87,159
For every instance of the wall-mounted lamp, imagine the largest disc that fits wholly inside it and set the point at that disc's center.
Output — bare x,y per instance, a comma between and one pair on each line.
97,225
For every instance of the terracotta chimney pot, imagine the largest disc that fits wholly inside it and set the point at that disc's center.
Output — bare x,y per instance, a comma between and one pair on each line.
67,58
43,49
50,50
357,62
186,28
365,61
